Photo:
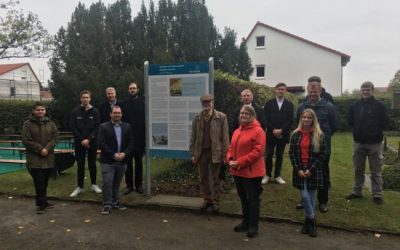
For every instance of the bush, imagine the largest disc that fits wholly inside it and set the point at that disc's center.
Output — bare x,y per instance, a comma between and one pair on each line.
391,177
342,105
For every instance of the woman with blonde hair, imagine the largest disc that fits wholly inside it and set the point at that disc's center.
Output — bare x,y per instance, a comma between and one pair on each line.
307,153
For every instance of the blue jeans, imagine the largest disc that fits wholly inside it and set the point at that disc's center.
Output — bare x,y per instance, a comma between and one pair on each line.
112,176
308,200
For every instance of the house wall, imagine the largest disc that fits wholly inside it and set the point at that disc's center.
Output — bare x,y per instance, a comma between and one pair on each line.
293,61
24,81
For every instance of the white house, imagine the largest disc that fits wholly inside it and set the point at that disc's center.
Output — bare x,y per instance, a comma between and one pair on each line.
278,56
19,82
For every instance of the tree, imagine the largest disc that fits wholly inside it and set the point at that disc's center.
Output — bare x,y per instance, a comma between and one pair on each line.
394,85
244,68
21,34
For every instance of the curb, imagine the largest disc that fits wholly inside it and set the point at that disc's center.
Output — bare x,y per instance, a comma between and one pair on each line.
141,205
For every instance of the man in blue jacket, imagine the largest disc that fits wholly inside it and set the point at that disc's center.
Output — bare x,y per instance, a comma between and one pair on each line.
115,141
368,117
326,114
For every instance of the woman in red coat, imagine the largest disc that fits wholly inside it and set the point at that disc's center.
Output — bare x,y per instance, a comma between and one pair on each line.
246,160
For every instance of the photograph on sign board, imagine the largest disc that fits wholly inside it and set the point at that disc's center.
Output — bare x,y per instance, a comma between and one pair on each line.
175,86
160,134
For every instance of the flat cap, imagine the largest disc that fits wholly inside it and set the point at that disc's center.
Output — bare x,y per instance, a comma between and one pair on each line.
207,98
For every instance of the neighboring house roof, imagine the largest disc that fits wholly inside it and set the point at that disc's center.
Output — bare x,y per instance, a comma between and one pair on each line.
46,94
4,68
345,58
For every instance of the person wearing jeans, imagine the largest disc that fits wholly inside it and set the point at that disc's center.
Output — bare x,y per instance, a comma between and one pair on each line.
116,142
307,154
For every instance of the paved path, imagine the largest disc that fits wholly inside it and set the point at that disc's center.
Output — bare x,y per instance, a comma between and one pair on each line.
73,225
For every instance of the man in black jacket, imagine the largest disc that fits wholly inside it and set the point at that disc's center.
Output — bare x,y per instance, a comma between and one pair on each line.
133,109
115,141
246,99
279,118
368,117
84,122
105,107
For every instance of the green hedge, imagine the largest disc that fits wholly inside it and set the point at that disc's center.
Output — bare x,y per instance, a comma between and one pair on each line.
342,105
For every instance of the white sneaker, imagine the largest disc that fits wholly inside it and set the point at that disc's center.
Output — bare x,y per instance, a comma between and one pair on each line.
95,189
77,191
265,179
280,180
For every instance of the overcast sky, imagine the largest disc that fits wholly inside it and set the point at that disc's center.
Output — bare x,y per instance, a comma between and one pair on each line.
367,30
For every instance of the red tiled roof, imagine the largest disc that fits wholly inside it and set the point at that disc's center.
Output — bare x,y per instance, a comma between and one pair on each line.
345,57
4,68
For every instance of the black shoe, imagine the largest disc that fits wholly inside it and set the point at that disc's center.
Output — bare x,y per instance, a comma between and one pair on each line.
127,190
353,196
139,190
323,208
106,210
119,206
299,206
205,206
49,206
40,210
252,233
378,200
242,227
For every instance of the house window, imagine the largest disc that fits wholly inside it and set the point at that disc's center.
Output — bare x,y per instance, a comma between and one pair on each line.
260,41
260,71
12,91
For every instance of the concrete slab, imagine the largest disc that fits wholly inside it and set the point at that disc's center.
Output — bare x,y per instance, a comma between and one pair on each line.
175,201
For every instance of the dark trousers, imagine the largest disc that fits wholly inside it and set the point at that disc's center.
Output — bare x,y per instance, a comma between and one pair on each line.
279,145
40,180
249,191
80,156
323,191
137,156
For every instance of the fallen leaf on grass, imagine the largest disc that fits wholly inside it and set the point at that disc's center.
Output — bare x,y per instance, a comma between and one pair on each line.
52,221
165,221
20,227
10,197
139,238
19,232
377,235
68,230
87,221
246,239
14,188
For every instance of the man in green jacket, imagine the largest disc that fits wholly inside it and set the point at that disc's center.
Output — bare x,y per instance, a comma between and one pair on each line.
38,136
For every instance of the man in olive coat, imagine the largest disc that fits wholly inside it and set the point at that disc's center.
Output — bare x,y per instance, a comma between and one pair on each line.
39,135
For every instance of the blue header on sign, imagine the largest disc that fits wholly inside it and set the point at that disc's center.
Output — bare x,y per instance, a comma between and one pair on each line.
176,69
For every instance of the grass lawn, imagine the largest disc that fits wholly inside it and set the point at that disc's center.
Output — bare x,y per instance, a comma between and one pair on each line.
278,200
393,141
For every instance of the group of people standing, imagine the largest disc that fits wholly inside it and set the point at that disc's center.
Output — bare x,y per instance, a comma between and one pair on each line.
258,133
255,135
117,129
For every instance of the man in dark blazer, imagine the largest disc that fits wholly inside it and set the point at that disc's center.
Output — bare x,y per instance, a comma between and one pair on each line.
279,118
246,99
115,141
105,107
